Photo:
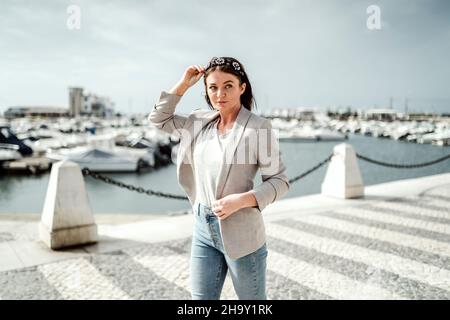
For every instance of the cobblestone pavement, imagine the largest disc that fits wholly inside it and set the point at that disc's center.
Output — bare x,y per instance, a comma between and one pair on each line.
396,249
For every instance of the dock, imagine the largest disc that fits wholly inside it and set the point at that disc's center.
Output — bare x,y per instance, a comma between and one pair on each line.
27,165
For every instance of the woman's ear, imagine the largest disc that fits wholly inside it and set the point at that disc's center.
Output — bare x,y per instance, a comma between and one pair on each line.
243,87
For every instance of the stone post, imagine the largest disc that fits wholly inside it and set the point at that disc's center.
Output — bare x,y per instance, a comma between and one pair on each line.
67,219
343,178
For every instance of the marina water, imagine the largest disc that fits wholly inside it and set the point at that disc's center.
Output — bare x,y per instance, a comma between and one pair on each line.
26,194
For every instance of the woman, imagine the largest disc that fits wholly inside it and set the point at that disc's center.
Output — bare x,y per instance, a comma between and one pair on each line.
219,154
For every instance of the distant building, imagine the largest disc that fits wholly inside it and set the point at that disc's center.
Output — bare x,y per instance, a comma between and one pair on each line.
79,105
35,111
289,113
97,106
381,114
89,104
75,101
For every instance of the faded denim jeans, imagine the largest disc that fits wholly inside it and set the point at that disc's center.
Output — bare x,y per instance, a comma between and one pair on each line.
209,263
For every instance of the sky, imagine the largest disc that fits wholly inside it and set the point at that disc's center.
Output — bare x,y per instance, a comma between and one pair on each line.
297,53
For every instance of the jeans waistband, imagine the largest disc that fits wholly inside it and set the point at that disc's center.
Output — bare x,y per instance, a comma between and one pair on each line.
204,209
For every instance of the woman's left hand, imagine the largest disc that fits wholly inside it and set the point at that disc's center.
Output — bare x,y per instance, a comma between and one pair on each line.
225,207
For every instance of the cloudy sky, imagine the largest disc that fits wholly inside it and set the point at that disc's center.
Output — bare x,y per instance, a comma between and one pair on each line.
310,53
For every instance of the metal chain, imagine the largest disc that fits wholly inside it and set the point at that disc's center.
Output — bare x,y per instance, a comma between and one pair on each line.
402,166
311,170
87,172
108,180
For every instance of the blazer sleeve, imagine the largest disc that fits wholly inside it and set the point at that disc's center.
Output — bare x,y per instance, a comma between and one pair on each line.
163,114
275,183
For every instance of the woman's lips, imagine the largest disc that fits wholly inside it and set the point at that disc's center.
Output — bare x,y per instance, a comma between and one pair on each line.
222,102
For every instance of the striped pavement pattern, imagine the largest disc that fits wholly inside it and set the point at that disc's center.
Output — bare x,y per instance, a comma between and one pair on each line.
384,250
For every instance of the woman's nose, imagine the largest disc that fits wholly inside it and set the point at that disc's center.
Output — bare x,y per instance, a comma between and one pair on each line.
220,93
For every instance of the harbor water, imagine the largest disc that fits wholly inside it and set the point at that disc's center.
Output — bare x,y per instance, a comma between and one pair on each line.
26,194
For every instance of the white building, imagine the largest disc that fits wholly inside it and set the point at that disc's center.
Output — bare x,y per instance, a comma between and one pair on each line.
97,106
89,104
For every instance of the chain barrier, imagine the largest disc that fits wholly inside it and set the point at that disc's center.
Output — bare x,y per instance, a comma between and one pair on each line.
311,170
402,166
87,172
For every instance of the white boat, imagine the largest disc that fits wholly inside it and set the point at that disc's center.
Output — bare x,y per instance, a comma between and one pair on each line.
293,136
98,159
174,153
436,138
309,134
9,140
9,154
147,155
324,134
427,138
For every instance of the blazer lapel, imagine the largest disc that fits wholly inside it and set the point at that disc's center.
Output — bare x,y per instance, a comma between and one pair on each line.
229,155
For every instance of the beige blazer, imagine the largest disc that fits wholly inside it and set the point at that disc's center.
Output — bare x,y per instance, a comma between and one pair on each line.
253,146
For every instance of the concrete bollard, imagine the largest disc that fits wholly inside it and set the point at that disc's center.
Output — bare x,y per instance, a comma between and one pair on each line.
343,178
67,219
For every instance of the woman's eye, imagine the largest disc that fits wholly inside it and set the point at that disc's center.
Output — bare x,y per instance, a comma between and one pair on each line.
228,86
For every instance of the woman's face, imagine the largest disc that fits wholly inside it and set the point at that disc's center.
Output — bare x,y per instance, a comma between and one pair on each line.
223,90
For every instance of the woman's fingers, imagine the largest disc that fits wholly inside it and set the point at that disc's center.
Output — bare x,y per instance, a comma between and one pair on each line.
193,73
199,68
219,211
221,214
196,67
193,70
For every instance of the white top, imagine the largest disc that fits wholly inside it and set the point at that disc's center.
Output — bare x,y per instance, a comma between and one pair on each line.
208,157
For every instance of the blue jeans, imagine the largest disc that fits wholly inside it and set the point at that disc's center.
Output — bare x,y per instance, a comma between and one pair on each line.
209,263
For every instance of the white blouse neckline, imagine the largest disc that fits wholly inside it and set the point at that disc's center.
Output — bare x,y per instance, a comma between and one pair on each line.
227,131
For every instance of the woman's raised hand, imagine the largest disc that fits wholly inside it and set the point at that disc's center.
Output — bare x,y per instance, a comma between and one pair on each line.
192,74
190,77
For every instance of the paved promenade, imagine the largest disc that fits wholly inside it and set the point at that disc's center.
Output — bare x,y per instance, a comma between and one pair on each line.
392,244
